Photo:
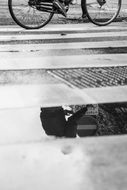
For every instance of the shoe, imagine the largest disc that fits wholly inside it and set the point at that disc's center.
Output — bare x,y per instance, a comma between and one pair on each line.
73,2
84,15
59,7
101,2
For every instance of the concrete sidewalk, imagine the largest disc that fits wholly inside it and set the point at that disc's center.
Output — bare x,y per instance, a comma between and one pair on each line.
80,164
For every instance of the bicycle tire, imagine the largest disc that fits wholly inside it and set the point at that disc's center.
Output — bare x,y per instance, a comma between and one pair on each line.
28,17
102,12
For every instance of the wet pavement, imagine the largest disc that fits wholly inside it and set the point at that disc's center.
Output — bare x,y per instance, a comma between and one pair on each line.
29,159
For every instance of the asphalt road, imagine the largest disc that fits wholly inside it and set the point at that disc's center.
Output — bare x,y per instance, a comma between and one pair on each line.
31,161
73,16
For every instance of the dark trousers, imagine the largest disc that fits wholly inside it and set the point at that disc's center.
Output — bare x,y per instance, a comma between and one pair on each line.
83,7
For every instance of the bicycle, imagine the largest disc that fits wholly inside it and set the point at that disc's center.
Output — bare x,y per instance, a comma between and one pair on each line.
34,14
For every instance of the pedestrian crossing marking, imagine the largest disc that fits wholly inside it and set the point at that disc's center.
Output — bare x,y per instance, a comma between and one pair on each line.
10,62
77,45
59,36
55,48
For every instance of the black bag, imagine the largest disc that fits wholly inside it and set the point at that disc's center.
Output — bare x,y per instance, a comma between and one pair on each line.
53,121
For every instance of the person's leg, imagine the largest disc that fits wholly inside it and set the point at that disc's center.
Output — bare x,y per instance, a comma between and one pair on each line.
83,7
53,121
60,7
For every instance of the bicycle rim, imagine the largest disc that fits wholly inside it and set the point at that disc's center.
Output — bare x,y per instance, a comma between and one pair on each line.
102,12
28,17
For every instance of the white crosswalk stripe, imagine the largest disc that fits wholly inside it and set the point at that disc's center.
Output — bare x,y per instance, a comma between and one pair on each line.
59,47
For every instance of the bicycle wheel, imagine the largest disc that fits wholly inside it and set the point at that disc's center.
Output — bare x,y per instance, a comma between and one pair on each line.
31,14
102,12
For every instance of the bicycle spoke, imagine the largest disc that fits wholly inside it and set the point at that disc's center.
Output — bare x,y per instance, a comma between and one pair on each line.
29,14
